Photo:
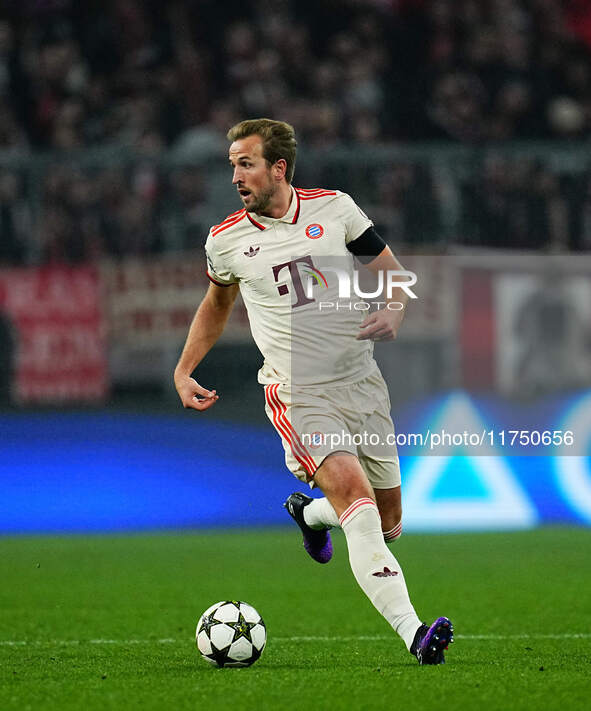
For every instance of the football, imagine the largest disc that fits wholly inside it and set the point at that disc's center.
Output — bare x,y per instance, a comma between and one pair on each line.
231,634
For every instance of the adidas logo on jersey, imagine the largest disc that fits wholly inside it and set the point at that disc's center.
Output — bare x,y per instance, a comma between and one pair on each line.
252,251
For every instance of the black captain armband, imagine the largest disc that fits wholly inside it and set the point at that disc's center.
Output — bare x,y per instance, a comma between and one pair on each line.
367,246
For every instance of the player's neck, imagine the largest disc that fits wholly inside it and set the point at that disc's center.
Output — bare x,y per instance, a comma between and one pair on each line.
280,202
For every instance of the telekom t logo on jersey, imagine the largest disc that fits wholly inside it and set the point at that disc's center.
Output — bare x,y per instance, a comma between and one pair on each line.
296,280
394,278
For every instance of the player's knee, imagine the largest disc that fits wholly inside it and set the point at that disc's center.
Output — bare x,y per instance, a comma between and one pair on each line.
390,513
344,478
355,487
390,507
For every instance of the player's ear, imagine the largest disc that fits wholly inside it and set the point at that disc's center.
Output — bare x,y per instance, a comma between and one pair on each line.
279,169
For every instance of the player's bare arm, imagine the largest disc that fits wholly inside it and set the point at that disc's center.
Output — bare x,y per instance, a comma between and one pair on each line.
384,324
207,326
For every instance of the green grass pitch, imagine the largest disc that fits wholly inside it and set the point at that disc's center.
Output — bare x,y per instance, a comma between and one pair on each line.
107,622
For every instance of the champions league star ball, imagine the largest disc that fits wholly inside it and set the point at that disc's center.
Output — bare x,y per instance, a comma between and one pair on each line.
231,634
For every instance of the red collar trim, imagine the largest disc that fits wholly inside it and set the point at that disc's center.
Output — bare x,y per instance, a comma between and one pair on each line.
295,216
254,222
297,212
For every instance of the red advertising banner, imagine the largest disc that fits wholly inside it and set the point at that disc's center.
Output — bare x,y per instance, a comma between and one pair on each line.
478,330
150,302
54,338
149,305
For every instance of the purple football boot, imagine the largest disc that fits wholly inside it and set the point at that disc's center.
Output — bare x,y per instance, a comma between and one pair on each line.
318,544
430,642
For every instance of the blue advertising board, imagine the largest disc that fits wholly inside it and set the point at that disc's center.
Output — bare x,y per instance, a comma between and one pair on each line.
114,472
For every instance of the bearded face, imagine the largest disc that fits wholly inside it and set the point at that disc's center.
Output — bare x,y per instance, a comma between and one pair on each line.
252,174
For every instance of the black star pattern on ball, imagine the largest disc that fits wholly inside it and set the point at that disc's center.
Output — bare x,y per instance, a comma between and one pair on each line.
207,623
241,628
220,656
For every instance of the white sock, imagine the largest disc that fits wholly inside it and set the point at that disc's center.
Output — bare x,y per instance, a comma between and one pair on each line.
393,533
375,568
319,513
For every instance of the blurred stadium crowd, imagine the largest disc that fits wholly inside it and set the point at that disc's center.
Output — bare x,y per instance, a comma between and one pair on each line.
111,113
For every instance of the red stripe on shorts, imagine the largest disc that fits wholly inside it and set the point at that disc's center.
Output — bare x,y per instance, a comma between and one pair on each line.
303,451
283,426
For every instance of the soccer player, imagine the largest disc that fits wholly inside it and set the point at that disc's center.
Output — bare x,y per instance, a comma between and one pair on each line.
327,386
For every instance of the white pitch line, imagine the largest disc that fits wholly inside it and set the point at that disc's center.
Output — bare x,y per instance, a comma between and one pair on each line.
373,638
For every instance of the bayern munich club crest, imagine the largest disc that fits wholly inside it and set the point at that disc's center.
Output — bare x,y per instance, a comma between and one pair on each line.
314,231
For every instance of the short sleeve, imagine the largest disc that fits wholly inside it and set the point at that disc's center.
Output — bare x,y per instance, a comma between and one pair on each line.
218,270
355,220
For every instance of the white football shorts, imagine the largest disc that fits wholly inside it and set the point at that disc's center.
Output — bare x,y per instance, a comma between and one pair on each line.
314,422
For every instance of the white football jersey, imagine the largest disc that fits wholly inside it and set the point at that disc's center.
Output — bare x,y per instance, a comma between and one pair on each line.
290,271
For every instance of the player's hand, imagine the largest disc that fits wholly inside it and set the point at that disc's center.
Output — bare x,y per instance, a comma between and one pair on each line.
381,325
193,395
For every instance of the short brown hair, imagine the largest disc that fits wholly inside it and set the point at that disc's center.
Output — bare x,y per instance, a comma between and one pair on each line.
278,140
